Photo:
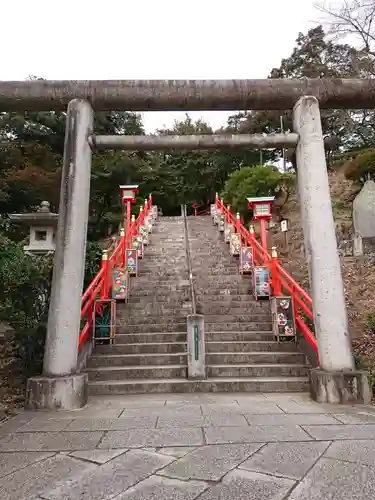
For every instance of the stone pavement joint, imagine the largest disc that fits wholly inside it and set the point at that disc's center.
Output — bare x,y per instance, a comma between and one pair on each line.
187,447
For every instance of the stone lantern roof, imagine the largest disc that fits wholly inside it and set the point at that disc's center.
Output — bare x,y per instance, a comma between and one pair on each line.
42,217
42,224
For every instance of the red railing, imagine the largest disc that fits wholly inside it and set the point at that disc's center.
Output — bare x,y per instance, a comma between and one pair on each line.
281,281
200,211
100,286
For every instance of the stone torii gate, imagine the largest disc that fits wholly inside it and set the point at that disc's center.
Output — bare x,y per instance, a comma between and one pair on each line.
61,386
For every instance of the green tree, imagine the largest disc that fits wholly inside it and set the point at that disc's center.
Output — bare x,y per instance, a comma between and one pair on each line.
259,180
314,56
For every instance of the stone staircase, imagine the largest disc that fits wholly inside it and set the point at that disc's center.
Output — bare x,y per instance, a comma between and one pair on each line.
241,353
150,353
151,345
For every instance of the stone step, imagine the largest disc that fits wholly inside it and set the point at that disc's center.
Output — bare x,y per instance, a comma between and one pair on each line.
223,301
144,348
216,385
235,335
99,360
258,317
152,328
150,337
257,370
135,317
137,372
173,309
236,326
158,290
229,346
253,358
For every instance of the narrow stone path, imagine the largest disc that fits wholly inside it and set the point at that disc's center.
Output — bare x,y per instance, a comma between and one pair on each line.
172,447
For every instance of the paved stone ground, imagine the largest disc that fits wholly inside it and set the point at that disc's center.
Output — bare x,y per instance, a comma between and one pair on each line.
183,447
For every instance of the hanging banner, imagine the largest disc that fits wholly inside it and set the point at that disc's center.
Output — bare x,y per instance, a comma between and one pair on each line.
144,234
261,282
283,321
216,217
120,284
228,230
221,222
131,261
246,260
235,245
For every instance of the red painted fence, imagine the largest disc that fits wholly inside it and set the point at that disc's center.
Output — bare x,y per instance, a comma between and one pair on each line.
281,281
100,286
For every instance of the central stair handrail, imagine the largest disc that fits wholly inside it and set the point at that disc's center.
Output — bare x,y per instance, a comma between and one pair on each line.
189,261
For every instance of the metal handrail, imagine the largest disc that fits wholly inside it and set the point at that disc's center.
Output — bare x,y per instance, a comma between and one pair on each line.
189,261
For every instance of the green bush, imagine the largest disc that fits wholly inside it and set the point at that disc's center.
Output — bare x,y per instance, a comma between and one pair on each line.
259,180
361,167
24,298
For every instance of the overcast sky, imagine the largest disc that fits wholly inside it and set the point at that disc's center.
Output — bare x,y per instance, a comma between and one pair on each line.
149,39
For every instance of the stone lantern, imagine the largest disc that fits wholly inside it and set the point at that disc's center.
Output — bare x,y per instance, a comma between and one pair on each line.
42,224
262,212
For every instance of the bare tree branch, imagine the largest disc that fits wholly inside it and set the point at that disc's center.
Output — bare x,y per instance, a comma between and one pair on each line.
352,17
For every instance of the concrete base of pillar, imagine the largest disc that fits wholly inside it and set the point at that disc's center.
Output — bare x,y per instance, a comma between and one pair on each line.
57,393
348,387
196,347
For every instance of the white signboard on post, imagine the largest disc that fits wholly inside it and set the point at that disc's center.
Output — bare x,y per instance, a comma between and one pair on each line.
284,225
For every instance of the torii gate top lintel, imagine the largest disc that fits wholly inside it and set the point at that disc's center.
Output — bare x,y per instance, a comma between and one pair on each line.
189,95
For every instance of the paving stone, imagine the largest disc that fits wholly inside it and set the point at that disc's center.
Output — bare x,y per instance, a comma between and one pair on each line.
177,452
163,488
333,480
98,456
291,460
241,484
45,425
32,480
50,441
332,432
361,452
298,398
11,462
202,420
293,407
14,423
256,407
291,418
86,412
138,402
110,479
171,411
255,434
116,424
139,438
210,463
355,418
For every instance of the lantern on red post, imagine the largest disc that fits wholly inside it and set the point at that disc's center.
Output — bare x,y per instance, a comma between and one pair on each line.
128,193
262,211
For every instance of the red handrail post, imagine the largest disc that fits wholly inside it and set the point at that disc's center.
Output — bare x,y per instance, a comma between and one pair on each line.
104,292
263,234
252,243
217,201
123,244
150,201
275,275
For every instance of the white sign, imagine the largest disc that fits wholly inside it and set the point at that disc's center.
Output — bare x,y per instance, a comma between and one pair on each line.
284,226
